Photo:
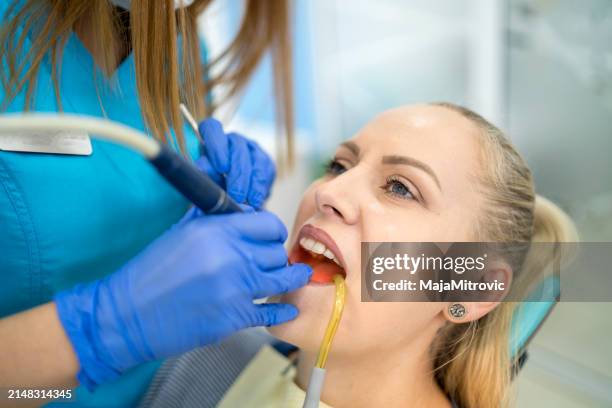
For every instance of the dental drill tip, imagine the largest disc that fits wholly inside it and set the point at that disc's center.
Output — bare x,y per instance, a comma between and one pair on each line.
192,122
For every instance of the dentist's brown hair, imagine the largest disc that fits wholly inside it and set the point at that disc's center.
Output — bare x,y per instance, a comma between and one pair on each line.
472,360
163,79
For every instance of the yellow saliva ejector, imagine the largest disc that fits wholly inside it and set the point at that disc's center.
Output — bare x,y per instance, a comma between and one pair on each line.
317,377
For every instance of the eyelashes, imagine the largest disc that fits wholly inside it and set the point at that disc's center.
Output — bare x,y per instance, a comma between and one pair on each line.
397,188
394,185
334,167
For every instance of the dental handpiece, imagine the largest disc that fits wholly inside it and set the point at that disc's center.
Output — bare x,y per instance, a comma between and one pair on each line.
185,177
317,377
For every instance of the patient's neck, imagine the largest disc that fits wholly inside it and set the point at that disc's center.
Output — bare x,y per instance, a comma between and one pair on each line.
389,378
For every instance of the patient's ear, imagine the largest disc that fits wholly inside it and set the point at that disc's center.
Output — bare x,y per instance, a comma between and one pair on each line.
464,312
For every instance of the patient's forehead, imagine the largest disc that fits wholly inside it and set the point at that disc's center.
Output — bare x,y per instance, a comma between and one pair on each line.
424,129
426,119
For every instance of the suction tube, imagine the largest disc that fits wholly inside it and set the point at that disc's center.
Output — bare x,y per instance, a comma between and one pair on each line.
191,182
317,377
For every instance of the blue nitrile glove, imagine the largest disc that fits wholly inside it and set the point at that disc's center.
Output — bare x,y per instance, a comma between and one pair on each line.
191,287
237,164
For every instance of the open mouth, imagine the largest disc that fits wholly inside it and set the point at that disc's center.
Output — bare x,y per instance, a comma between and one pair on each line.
317,249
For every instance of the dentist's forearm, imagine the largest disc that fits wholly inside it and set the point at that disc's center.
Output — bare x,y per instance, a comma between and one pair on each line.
35,352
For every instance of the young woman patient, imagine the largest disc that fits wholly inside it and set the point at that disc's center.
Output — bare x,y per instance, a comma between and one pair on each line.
424,173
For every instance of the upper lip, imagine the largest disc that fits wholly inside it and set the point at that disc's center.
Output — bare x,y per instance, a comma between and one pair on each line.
310,231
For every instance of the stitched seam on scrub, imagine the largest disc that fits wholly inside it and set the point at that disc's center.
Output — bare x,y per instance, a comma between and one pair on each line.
21,209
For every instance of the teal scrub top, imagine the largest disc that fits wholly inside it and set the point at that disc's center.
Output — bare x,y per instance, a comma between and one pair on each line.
68,219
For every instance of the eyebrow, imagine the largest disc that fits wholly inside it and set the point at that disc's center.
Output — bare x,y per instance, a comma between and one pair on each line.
409,161
352,146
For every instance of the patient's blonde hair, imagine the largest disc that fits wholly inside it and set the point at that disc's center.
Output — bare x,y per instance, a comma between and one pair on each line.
473,360
163,78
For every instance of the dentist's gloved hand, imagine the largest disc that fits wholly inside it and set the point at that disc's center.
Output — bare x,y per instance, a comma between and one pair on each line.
191,287
237,164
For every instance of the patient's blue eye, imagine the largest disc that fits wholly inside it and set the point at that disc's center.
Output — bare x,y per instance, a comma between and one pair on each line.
334,167
396,188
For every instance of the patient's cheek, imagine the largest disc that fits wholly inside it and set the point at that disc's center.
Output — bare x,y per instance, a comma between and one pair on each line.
308,204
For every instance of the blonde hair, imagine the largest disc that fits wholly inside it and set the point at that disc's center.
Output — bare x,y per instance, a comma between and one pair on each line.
473,360
163,82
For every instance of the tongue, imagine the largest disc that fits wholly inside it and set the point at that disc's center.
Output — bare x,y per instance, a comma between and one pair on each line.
323,269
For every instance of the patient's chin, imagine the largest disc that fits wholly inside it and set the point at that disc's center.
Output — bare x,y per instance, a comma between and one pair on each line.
291,332
297,333
305,331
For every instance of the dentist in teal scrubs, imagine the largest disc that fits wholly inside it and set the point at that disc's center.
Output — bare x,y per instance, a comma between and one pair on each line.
104,270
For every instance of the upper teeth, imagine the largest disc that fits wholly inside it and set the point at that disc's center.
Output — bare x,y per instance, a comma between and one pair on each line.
318,248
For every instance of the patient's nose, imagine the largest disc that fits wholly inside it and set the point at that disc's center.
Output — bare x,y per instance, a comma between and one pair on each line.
334,198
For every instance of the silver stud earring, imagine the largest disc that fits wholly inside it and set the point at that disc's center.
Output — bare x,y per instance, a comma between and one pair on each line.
457,310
